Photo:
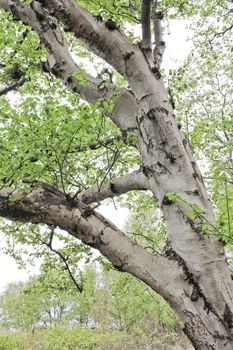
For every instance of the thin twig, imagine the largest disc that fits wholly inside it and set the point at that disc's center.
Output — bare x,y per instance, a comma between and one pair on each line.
62,257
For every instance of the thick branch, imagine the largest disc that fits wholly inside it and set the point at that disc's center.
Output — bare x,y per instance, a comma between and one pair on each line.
48,207
60,61
13,86
62,65
159,42
123,184
145,20
111,45
104,39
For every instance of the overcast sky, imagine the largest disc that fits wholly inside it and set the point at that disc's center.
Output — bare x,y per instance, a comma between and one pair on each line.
177,49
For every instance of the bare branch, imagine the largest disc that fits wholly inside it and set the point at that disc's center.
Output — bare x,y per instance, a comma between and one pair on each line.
222,33
159,42
123,184
51,208
145,20
62,258
13,86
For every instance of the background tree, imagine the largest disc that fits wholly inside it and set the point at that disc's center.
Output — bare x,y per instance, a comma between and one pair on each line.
48,300
109,302
62,156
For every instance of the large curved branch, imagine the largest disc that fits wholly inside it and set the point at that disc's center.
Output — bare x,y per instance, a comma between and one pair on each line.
104,39
63,66
123,184
111,45
51,207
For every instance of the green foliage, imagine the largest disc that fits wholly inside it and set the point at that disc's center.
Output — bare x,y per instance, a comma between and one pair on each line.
134,306
145,225
75,339
65,339
124,12
13,342
53,142
109,301
51,299
202,91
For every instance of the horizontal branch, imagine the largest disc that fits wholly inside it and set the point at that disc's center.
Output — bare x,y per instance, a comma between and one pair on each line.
13,86
51,207
96,145
62,65
123,184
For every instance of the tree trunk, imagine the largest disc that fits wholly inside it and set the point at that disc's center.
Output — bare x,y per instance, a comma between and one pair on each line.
205,305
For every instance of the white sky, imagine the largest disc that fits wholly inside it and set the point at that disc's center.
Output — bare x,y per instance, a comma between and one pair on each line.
177,49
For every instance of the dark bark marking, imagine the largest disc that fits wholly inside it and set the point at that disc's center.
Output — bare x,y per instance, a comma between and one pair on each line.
111,25
113,188
70,79
147,171
188,330
166,201
195,294
151,114
40,16
87,212
171,157
162,110
75,90
196,192
155,70
228,317
128,55
159,15
145,50
45,67
98,18
18,213
170,253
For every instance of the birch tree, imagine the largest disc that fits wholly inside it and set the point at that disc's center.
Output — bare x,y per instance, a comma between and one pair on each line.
75,139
